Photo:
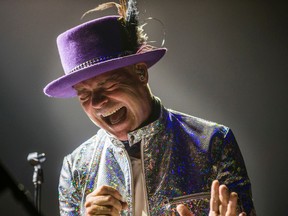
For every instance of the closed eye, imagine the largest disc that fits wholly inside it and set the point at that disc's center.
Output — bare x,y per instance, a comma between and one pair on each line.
111,86
83,96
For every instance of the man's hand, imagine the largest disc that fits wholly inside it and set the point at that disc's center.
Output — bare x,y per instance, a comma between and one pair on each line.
104,201
222,203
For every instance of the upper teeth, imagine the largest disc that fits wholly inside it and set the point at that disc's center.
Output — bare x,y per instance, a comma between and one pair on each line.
111,112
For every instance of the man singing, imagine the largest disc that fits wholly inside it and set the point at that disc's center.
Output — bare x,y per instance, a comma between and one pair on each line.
145,159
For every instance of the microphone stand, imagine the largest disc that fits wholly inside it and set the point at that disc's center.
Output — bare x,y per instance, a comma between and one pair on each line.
19,191
35,160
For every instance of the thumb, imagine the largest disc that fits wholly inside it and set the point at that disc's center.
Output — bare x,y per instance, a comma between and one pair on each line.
183,210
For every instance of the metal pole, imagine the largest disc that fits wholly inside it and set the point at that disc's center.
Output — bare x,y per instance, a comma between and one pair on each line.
35,160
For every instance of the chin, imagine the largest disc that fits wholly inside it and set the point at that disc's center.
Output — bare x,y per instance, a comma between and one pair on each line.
120,130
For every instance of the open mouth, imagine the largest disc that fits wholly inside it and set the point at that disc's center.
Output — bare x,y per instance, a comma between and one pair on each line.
115,116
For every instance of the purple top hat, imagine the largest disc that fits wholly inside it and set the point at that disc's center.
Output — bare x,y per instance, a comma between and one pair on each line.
96,47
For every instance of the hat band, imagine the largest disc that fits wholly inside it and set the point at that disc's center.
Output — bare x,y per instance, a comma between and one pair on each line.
96,60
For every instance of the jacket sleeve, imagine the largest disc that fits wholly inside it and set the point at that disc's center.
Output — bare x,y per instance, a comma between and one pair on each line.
69,194
230,168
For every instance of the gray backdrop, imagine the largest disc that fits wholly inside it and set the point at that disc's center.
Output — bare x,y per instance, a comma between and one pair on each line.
226,62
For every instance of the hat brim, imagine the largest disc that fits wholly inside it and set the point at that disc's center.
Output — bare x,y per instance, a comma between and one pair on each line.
63,86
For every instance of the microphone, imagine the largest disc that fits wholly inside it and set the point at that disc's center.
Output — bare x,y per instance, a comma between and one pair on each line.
35,159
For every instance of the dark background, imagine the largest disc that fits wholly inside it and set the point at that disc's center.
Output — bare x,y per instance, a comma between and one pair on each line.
226,62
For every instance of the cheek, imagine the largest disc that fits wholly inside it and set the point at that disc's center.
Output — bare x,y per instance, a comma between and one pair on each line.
131,89
139,110
87,111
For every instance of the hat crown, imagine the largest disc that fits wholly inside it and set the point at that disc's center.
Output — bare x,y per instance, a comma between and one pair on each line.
96,47
97,40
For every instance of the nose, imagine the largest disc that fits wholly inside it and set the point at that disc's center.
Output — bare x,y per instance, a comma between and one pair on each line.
99,100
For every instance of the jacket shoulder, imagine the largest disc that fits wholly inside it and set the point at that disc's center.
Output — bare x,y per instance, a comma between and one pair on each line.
200,132
198,125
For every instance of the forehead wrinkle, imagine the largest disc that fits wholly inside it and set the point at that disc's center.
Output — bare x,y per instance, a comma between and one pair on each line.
89,82
110,78
116,74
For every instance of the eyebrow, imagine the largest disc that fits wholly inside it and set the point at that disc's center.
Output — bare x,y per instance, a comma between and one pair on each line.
80,91
111,78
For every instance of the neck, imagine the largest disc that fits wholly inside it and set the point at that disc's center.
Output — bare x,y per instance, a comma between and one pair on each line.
155,112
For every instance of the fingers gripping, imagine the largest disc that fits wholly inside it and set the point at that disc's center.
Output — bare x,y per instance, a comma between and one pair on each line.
104,200
183,210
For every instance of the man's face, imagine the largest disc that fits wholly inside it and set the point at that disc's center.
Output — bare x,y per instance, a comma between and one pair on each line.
117,101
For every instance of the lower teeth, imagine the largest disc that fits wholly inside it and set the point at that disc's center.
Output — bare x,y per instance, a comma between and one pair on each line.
117,116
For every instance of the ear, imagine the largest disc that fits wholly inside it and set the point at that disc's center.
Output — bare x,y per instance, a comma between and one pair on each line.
142,72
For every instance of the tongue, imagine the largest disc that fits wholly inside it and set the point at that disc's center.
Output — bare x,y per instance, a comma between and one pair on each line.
117,116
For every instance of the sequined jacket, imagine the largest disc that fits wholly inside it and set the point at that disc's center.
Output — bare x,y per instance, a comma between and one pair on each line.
181,155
